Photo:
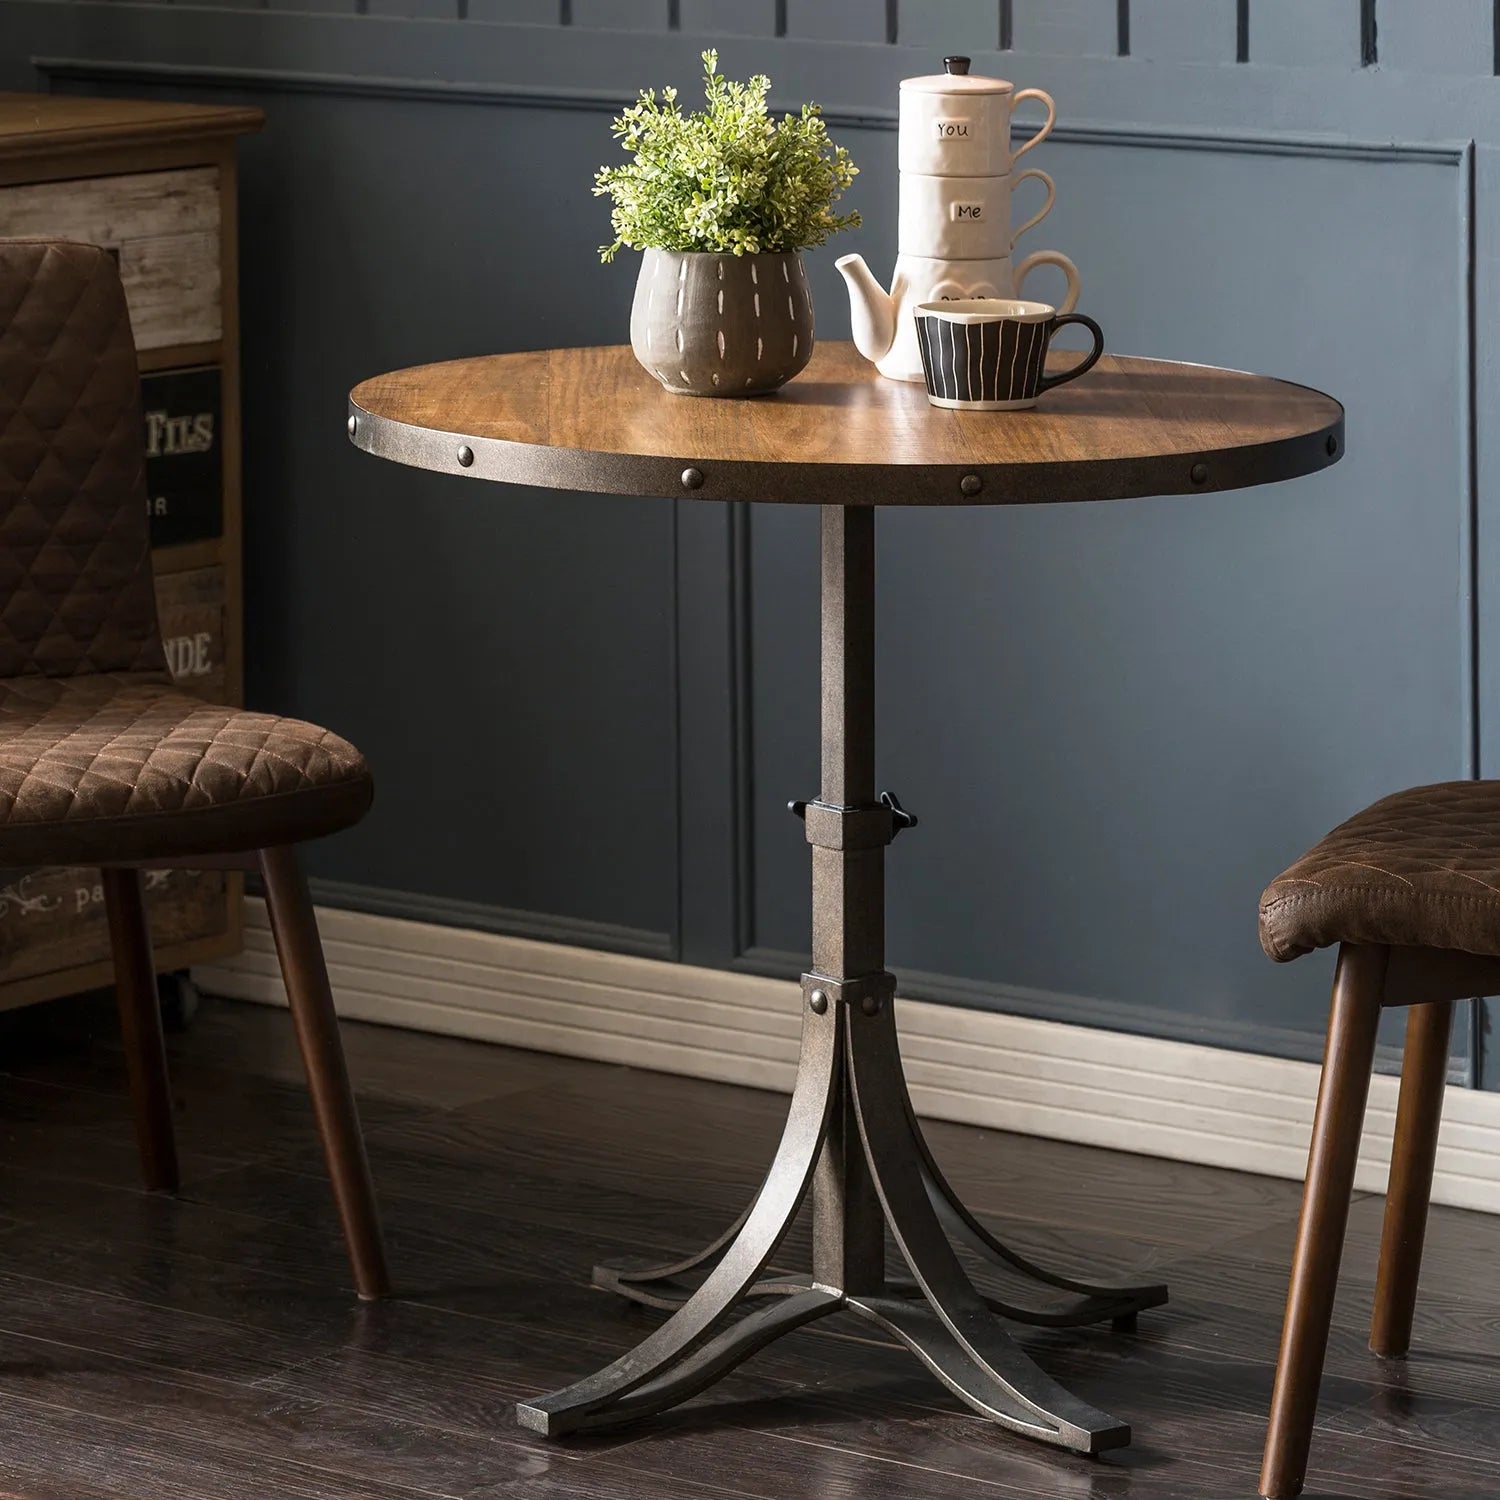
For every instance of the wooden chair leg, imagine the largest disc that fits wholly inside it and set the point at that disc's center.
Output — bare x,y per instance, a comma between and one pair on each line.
306,976
1347,1061
140,1025
1424,1075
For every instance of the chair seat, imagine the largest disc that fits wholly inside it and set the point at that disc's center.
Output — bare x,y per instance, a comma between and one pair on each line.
119,767
1419,868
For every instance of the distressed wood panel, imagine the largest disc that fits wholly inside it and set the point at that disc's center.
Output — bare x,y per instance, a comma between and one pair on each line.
54,919
1192,31
190,605
1067,28
621,15
165,227
1438,36
836,20
1305,33
949,26
712,18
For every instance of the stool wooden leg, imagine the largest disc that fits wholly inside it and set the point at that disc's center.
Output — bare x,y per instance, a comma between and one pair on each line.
1424,1074
1348,1058
140,1026
306,976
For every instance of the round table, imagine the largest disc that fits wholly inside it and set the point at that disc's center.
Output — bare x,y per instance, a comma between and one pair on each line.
842,437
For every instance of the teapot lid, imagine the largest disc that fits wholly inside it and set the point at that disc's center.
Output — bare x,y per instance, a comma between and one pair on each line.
957,80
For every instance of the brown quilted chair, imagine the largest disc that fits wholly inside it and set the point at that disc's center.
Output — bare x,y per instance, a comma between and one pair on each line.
102,761
1409,892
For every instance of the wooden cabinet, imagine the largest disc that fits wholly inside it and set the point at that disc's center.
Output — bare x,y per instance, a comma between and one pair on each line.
155,184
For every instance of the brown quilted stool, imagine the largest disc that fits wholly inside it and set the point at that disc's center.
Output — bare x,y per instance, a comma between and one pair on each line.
102,761
1409,889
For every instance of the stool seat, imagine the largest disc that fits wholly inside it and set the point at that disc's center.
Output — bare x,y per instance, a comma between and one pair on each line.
1420,868
118,767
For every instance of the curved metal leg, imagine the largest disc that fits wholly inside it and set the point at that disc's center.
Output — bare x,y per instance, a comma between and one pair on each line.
658,1285
1079,1314
978,1381
695,1371
973,1355
694,1324
1118,1304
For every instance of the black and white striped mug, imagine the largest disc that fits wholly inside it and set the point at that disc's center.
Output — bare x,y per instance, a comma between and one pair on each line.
989,354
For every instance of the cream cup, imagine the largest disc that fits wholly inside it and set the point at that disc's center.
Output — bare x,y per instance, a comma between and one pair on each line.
959,124
964,218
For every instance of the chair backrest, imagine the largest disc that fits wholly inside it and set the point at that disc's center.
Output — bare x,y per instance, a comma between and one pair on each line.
76,589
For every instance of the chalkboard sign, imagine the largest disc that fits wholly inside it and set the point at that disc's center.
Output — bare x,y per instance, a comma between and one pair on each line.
184,461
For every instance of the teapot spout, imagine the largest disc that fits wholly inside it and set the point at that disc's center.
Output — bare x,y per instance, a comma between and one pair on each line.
872,310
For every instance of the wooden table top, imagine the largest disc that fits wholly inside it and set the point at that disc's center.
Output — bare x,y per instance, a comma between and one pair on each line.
593,419
37,123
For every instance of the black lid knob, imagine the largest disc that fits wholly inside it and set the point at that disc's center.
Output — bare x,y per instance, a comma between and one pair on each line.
956,64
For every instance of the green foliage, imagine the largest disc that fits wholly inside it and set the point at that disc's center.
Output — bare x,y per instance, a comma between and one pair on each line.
728,179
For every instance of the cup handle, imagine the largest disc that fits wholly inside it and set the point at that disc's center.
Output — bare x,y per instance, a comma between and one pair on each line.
1050,258
1047,125
1046,207
1087,364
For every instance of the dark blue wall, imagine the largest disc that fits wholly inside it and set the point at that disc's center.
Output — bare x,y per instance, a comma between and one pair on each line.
1117,723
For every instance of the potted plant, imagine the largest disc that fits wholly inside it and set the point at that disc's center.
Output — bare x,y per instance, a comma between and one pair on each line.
722,201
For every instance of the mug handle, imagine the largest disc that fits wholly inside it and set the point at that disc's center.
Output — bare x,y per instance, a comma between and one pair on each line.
1087,364
1046,129
1044,210
1050,258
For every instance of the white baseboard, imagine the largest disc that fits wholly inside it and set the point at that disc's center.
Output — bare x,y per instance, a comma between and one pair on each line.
1071,1083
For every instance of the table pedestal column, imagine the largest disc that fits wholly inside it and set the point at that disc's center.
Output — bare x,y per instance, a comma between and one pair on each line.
851,1139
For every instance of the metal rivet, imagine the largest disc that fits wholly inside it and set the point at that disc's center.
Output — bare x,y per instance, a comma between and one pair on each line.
817,1002
1332,445
465,455
971,484
1199,473
870,1005
692,479
353,425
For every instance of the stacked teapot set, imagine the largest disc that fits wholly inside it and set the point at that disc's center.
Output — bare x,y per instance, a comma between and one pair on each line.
951,317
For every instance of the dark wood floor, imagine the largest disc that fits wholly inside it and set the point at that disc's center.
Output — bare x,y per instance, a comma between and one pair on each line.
208,1345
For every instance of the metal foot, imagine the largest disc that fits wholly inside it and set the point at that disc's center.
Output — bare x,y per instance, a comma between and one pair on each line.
691,1373
1022,1398
956,1336
672,1357
1096,1304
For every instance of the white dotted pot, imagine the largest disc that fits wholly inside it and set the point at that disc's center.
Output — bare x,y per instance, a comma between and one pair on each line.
706,324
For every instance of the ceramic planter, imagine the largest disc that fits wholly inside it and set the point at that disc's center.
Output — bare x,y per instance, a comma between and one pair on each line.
706,324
